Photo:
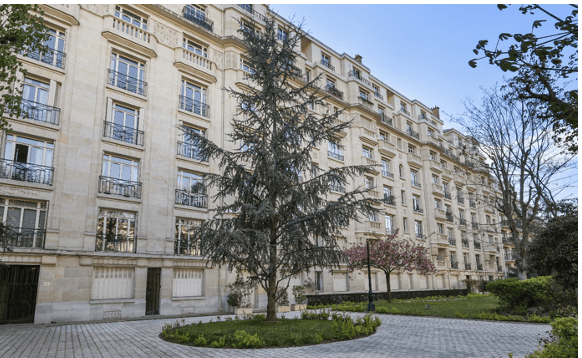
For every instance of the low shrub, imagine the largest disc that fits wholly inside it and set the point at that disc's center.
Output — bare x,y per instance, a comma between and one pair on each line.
299,293
245,340
563,340
471,284
521,295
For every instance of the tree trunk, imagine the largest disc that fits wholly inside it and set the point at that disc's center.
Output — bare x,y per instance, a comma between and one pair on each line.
388,287
272,285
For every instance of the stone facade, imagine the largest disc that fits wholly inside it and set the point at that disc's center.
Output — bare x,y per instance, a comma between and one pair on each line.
109,164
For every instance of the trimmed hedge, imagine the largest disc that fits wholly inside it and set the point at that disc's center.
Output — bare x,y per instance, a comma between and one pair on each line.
516,294
337,298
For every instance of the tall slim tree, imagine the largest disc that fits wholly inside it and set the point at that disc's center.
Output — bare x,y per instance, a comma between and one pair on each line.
277,200
21,32
390,255
521,155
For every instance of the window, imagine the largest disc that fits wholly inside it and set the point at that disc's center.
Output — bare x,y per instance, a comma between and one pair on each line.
387,191
191,182
411,149
416,203
437,204
55,46
366,152
401,171
185,242
373,217
115,231
403,197
435,179
384,136
318,281
194,47
364,95
120,168
325,60
35,95
123,125
130,17
418,228
389,223
28,160
403,107
112,283
381,111
357,73
432,155
405,224
247,28
430,134
440,229
442,254
451,233
376,90
27,221
414,177
308,75
443,164
193,99
187,282
189,145
334,151
127,74
369,182
282,34
386,168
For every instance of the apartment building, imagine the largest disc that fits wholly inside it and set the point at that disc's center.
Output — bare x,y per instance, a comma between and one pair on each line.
103,185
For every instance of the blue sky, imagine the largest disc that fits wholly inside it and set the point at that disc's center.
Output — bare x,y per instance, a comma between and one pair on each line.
422,51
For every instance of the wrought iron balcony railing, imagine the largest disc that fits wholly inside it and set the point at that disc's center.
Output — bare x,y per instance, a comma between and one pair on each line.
418,210
357,76
114,186
127,83
510,257
454,265
197,107
412,133
386,120
328,65
387,174
467,266
51,57
389,200
334,91
460,200
123,134
416,184
28,172
335,155
185,246
185,197
404,110
463,222
475,226
447,195
419,235
378,95
449,217
452,242
198,18
40,112
25,237
465,243
479,267
190,151
115,243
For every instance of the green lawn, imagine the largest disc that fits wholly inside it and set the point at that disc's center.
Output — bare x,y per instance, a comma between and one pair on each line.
474,306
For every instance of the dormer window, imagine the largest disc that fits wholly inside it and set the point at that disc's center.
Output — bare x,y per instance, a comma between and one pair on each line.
194,47
130,17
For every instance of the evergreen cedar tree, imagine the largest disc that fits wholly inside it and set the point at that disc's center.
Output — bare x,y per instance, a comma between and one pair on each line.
275,215
390,255
21,32
543,67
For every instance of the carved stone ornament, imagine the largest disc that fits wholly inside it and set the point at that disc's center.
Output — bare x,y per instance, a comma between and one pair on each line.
231,60
99,9
217,58
166,35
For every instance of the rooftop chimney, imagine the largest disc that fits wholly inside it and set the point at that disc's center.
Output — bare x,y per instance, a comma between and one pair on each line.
359,58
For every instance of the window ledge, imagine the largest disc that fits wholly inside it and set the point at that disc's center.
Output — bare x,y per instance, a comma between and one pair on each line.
188,298
35,123
41,64
192,160
121,143
112,300
192,114
190,208
118,198
25,184
125,92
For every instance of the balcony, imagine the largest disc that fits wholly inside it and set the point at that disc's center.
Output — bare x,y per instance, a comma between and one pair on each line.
327,64
439,214
115,243
386,120
387,148
412,133
335,155
249,8
479,267
27,172
387,174
198,18
332,90
190,151
465,243
460,200
467,266
378,95
437,189
188,198
390,200
414,159
463,222
129,189
127,83
452,241
449,217
405,111
510,257
194,106
40,112
51,57
123,134
454,265
415,184
356,75
369,161
448,195
25,237
365,102
489,246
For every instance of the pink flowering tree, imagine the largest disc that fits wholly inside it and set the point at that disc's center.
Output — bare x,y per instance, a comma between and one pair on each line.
390,255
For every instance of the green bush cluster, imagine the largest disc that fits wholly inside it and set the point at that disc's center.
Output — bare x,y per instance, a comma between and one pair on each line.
521,295
563,341
245,340
345,328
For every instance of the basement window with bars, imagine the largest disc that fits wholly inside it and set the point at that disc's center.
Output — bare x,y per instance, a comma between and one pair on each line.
187,282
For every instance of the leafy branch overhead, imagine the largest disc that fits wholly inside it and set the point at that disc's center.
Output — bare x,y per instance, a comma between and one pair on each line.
543,65
272,200
21,32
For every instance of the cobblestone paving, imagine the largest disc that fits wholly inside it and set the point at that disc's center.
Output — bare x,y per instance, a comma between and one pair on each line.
398,337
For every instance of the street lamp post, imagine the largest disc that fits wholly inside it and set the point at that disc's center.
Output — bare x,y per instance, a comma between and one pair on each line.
371,306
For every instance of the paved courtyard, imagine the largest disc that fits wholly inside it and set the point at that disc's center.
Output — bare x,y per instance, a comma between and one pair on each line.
398,337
